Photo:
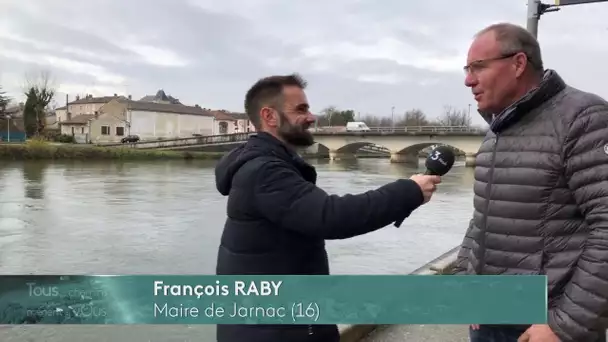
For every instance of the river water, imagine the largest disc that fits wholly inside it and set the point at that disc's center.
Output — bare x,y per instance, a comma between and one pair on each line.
167,217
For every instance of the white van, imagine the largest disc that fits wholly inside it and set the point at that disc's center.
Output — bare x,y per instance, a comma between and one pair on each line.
357,127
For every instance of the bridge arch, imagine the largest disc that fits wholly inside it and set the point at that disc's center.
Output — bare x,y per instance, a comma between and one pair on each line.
348,150
357,146
417,148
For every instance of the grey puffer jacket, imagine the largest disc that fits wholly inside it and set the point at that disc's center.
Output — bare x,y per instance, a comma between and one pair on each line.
541,203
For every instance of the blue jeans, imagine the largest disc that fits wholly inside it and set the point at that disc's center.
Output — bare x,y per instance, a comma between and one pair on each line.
502,333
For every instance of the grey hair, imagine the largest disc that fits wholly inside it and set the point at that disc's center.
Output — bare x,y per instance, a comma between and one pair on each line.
513,38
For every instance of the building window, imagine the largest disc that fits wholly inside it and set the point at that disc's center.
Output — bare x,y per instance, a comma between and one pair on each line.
120,131
223,127
81,130
105,130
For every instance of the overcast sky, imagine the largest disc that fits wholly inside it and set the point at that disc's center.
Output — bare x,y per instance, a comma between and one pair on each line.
366,55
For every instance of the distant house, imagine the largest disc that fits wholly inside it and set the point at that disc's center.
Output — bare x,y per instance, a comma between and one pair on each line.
15,111
148,120
160,97
78,127
229,123
16,114
84,105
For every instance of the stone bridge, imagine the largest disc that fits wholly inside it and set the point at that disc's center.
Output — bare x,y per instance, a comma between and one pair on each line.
404,144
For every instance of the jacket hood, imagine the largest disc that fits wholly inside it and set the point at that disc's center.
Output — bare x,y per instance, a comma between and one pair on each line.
260,144
228,165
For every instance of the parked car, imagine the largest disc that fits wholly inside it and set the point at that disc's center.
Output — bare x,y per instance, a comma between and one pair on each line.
130,139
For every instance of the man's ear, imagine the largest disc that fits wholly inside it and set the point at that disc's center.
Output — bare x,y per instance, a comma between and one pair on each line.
268,115
521,62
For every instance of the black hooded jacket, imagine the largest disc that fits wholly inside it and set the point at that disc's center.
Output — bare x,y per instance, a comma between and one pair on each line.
278,221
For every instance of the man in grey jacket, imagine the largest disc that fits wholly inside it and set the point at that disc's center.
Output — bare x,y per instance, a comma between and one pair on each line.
541,187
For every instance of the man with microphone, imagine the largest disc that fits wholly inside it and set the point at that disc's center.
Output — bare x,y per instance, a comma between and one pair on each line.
278,219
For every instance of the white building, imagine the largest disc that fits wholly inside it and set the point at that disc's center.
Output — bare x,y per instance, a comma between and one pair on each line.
149,120
229,123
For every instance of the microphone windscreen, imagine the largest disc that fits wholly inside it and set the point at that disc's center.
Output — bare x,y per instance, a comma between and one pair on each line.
440,160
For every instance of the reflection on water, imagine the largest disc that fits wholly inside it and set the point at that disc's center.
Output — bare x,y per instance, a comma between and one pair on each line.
33,181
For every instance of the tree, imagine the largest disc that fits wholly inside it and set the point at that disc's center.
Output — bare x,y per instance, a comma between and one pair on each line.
413,118
4,101
332,116
39,94
455,117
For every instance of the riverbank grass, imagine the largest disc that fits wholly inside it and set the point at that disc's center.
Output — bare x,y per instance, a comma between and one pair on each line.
38,149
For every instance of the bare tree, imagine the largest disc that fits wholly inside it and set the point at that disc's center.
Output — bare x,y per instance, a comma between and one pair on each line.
455,117
413,118
40,91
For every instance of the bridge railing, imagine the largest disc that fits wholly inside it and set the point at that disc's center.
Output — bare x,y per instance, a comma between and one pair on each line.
427,129
405,129
199,140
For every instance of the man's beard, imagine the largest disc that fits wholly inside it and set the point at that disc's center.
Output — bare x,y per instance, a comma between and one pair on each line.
295,135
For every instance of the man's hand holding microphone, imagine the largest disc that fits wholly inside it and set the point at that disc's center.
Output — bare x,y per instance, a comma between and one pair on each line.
427,183
438,163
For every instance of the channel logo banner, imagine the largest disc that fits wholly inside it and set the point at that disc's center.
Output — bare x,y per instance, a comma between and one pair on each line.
340,299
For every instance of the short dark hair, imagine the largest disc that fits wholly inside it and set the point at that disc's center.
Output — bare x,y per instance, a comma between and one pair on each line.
514,38
268,91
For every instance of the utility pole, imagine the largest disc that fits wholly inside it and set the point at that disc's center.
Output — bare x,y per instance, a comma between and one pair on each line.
536,9
533,17
393,117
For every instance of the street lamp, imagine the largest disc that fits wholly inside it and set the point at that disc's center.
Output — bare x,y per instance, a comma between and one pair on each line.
8,127
393,117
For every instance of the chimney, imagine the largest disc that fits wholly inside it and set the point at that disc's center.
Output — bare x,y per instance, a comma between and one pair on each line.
129,97
77,97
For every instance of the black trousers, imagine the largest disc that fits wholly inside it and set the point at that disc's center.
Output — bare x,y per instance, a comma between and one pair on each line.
277,333
503,333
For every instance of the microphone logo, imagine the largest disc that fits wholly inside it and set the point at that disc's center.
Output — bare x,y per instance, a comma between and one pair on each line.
436,156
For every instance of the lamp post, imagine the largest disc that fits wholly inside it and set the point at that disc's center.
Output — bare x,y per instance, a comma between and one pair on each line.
536,9
8,127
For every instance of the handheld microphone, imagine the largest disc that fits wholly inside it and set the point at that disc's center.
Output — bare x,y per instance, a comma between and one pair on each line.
438,163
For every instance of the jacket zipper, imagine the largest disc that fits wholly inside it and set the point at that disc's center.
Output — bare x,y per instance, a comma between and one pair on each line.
482,242
310,332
